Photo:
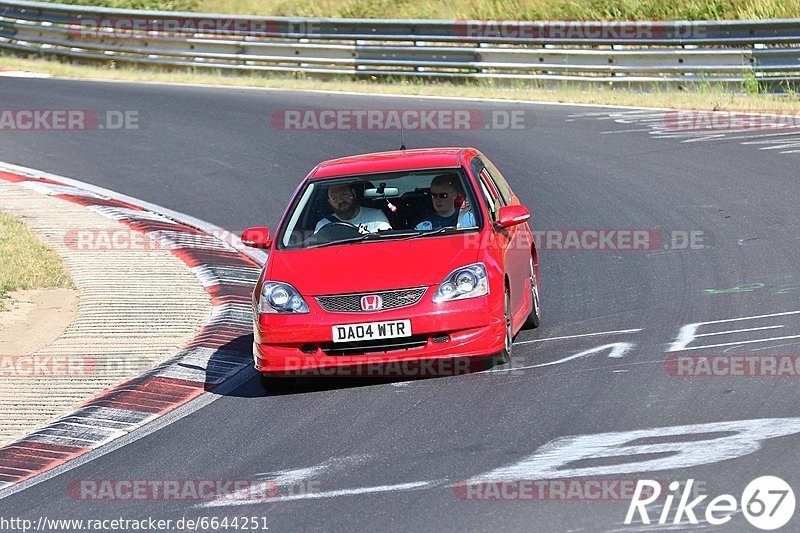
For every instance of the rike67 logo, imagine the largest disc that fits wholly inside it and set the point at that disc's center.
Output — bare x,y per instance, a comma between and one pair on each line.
767,502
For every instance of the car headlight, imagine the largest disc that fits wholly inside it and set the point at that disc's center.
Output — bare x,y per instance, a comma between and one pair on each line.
277,297
465,282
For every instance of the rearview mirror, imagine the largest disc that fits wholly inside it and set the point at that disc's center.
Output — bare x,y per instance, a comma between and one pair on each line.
256,238
385,192
512,215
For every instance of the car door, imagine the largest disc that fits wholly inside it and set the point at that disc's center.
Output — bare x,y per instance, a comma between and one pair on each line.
515,241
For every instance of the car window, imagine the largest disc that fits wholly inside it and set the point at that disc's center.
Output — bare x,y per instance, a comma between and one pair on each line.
490,193
499,181
489,198
388,205
487,179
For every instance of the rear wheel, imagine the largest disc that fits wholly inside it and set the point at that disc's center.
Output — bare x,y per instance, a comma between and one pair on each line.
534,318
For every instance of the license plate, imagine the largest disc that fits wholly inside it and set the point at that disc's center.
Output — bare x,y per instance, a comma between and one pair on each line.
368,331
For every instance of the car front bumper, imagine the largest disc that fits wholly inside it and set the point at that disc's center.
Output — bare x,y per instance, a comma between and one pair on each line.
448,338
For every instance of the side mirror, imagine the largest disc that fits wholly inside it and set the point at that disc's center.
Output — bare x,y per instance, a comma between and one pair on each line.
512,215
256,238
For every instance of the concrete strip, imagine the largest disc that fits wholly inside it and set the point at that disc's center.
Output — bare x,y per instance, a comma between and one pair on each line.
136,308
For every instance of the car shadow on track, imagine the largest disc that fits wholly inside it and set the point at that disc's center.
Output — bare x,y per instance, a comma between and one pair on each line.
330,379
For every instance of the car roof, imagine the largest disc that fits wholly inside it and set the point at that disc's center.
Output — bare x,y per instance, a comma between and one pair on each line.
390,161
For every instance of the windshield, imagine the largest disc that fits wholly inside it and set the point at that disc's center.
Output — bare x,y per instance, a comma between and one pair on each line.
371,207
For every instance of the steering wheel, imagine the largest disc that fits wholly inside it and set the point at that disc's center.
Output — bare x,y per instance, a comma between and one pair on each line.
334,231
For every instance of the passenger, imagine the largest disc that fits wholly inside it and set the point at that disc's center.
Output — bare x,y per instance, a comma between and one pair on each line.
449,205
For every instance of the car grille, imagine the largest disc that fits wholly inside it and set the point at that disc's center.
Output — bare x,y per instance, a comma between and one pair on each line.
376,346
351,303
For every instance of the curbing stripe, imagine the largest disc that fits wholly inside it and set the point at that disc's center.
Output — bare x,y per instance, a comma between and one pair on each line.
219,350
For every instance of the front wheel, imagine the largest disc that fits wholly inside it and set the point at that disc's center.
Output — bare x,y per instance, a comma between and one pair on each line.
535,316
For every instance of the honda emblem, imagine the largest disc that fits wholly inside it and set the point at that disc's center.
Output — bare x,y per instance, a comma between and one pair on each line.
373,302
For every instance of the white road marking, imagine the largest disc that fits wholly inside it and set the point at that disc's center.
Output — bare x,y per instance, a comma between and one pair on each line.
611,132
327,494
721,441
299,474
775,141
273,481
781,146
618,349
786,313
616,332
688,332
22,74
736,331
759,133
657,124
744,342
773,346
374,95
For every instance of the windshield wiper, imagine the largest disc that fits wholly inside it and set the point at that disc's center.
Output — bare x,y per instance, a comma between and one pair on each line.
340,241
361,238
446,229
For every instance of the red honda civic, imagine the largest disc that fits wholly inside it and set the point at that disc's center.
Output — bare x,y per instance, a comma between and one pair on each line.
395,264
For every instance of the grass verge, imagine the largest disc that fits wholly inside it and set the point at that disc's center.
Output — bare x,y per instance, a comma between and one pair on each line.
480,9
703,96
27,263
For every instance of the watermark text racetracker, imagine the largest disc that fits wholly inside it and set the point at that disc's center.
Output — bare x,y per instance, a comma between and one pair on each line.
182,27
573,239
397,119
189,490
41,366
733,366
688,120
575,29
41,119
609,239
123,239
547,490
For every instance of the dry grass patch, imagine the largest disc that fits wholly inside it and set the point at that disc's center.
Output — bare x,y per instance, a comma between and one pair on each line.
26,262
480,9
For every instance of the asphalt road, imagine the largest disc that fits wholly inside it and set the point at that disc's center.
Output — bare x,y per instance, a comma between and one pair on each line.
385,456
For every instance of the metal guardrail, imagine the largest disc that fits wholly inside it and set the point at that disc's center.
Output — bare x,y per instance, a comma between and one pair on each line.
728,52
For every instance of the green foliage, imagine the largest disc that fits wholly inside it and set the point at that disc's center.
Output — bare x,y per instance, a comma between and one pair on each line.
750,82
159,5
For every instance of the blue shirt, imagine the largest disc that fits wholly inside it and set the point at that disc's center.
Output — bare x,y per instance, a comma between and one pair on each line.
434,221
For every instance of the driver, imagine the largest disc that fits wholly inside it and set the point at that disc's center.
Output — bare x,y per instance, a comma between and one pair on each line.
342,199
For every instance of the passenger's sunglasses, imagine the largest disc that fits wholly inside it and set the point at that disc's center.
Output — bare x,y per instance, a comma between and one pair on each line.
442,195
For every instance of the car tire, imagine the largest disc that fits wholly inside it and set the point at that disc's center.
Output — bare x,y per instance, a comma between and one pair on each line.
536,312
505,353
